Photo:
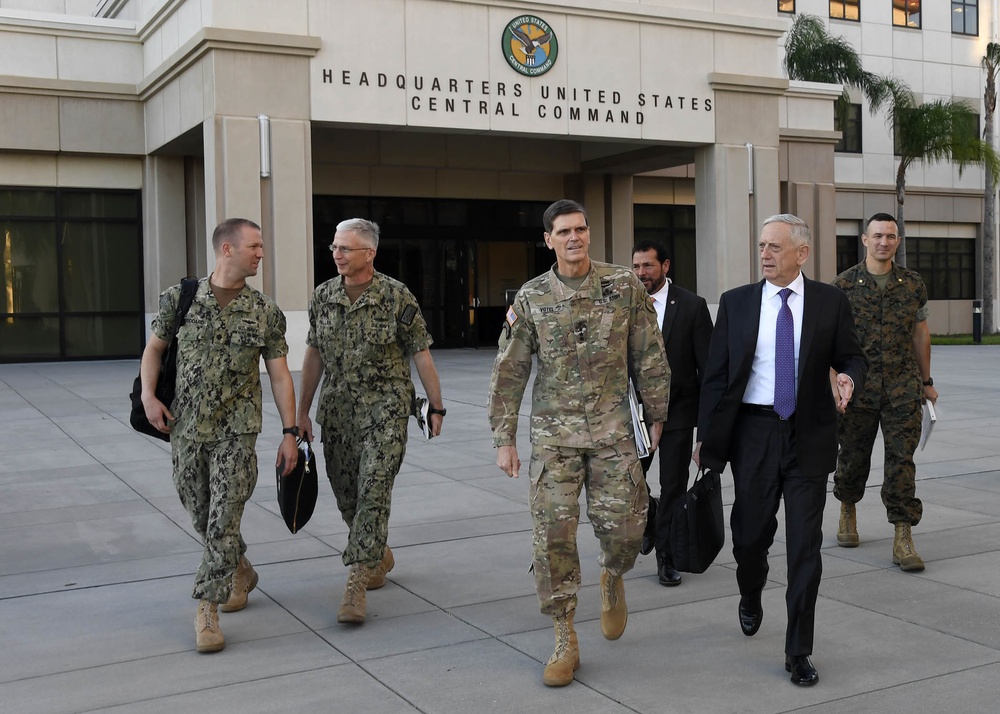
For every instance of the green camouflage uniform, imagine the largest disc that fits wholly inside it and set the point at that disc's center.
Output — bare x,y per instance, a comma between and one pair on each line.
581,426
218,416
885,320
366,398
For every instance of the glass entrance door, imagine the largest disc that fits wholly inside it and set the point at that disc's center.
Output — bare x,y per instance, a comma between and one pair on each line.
458,257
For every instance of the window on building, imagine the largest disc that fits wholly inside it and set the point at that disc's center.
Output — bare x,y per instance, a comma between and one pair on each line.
967,132
965,17
845,10
850,140
70,274
786,5
848,252
906,13
947,265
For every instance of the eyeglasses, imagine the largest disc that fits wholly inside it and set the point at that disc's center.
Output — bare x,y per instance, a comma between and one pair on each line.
345,251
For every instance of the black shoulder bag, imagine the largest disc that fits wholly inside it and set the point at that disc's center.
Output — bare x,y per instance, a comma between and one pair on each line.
166,384
698,530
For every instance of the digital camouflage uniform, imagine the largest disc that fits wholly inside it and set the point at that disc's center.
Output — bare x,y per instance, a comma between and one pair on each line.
365,401
581,426
218,411
885,320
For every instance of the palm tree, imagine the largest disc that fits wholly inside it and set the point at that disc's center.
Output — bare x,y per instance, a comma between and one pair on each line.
941,130
936,131
814,55
990,63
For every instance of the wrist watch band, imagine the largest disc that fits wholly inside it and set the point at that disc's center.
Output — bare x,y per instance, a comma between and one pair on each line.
442,411
929,382
293,430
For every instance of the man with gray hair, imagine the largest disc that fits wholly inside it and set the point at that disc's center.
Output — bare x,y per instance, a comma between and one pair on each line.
363,329
767,409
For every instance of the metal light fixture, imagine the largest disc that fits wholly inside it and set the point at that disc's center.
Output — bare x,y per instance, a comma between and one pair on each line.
264,124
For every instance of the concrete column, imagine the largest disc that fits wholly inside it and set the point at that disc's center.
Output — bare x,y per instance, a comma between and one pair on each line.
728,215
288,230
622,226
815,203
808,190
288,193
164,250
281,203
594,201
232,176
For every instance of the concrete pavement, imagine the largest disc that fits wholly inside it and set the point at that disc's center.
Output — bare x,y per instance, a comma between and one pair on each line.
97,559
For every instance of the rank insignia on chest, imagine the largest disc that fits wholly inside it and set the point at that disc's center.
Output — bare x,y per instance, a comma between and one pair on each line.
409,313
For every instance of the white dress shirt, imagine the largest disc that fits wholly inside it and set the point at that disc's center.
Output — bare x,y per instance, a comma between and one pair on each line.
660,302
760,388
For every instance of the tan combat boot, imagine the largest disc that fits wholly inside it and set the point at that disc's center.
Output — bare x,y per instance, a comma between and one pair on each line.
614,611
847,533
244,580
903,553
381,570
352,609
566,658
208,636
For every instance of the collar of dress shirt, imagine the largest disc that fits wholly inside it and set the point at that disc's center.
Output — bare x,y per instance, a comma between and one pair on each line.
661,294
798,287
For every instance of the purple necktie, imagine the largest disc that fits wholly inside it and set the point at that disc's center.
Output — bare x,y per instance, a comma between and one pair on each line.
784,359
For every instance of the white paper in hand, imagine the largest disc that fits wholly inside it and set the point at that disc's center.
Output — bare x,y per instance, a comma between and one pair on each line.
423,409
927,424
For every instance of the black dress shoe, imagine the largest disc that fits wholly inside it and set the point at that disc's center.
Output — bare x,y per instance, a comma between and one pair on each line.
665,571
751,614
647,537
803,672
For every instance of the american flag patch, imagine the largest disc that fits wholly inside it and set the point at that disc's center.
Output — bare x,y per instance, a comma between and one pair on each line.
511,316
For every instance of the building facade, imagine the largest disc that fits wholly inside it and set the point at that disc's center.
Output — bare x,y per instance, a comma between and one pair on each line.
132,127
936,48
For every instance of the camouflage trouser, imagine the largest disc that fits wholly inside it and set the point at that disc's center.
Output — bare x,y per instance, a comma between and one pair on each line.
215,480
616,506
362,466
901,433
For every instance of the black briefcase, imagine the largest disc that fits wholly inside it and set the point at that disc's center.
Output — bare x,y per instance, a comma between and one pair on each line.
697,529
298,490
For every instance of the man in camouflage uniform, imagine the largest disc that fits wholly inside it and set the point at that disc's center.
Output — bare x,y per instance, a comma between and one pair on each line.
216,414
363,328
889,304
586,322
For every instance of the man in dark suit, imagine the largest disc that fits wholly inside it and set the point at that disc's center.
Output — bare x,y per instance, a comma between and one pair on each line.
767,409
687,329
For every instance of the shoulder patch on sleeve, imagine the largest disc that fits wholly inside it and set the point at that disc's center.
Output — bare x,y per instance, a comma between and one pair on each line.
409,312
511,316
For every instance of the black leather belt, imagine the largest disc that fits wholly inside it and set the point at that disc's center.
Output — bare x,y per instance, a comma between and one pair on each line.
764,410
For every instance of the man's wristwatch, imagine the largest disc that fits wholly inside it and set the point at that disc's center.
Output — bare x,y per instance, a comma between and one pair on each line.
293,430
929,382
441,411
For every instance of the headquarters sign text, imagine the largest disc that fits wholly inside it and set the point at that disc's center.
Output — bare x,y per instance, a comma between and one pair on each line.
452,95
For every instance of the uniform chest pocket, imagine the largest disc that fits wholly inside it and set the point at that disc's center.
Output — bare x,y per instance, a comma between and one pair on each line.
377,340
245,346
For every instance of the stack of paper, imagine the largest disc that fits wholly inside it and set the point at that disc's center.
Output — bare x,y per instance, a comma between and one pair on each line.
927,424
641,433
